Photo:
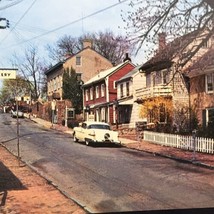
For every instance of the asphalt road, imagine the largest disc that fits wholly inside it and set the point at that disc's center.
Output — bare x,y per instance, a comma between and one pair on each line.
107,178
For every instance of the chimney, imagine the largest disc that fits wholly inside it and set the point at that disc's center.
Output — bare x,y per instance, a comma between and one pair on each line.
87,43
127,58
162,40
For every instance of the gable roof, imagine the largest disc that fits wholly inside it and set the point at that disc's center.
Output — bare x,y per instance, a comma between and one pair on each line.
203,65
103,74
130,74
53,68
74,55
164,57
60,64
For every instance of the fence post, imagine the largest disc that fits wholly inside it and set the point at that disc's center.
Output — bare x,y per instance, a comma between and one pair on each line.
194,142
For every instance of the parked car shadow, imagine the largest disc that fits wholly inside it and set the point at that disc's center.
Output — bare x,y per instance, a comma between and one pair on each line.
109,145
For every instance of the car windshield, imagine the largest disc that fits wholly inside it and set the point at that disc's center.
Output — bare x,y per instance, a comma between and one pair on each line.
99,126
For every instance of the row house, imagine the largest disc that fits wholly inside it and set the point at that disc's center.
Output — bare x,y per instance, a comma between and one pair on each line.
128,108
100,93
165,98
87,63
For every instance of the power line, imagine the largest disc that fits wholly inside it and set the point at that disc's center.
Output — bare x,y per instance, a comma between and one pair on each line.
70,23
19,20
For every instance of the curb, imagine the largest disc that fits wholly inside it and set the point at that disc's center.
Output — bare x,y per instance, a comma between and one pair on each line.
194,162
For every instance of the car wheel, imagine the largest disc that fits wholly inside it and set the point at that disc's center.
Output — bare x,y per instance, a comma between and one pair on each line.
74,138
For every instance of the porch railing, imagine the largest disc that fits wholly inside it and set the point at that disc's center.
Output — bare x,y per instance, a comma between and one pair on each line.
161,90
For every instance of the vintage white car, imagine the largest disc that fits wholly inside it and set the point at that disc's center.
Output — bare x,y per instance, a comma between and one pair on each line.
95,132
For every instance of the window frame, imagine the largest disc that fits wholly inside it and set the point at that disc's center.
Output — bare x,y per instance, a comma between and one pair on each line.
86,95
127,88
209,91
97,91
78,60
121,91
102,90
91,93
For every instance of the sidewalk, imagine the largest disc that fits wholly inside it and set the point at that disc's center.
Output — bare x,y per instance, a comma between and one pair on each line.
199,159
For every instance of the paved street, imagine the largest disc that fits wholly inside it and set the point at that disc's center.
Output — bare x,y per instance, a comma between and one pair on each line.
123,179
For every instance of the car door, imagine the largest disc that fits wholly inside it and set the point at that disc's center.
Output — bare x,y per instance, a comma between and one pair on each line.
82,132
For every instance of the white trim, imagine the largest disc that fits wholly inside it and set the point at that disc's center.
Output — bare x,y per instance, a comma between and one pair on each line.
107,89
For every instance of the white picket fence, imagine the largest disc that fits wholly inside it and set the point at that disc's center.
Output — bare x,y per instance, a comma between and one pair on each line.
205,145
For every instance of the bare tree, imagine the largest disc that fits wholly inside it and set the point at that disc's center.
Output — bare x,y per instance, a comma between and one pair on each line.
111,46
147,18
65,45
31,69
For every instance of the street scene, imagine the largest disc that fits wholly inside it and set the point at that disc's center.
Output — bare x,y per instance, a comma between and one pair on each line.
106,106
117,174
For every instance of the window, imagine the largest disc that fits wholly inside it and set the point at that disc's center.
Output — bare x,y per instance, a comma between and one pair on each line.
79,77
97,91
148,80
209,83
127,89
164,77
205,44
208,117
86,94
102,90
91,93
121,91
70,113
78,60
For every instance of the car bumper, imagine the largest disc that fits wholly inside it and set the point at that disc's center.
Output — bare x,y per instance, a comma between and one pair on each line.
103,141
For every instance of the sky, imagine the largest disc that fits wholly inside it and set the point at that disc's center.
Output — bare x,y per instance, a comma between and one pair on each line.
42,22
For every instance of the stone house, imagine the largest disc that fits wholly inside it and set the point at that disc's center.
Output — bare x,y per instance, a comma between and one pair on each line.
87,63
